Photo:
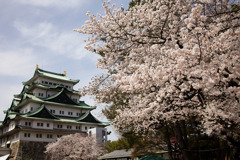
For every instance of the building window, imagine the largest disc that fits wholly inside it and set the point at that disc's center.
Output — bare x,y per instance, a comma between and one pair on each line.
28,123
40,94
48,125
31,109
50,83
40,124
49,135
78,127
38,135
86,127
26,134
70,113
59,126
52,111
69,127
61,112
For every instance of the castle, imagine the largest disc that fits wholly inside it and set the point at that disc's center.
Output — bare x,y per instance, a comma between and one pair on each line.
47,108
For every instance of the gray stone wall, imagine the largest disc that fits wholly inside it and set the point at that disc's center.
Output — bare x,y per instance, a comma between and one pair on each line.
25,150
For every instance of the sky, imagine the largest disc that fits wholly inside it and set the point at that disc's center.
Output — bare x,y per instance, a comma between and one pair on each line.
41,32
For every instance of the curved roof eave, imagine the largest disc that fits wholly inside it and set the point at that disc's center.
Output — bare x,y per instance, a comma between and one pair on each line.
57,76
51,87
44,110
28,97
85,118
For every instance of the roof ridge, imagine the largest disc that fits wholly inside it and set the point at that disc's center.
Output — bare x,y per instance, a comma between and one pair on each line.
40,109
60,74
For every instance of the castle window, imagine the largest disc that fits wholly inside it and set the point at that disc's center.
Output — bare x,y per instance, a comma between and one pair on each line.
50,83
52,111
40,94
26,134
31,109
70,113
61,112
46,82
40,124
47,124
38,135
59,126
86,127
49,135
54,84
69,127
28,123
78,127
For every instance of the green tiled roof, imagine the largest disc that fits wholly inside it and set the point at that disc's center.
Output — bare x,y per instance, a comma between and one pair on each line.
88,117
41,112
27,97
61,97
26,88
9,115
48,74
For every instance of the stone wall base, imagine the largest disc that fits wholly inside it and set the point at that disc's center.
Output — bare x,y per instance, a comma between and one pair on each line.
27,150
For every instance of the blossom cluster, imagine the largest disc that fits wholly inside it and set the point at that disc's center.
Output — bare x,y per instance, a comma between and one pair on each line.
169,61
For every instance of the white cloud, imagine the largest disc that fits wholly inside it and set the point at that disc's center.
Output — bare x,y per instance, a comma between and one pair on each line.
13,63
45,34
54,3
40,30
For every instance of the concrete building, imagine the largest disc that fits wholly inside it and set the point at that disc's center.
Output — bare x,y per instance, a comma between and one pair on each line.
47,108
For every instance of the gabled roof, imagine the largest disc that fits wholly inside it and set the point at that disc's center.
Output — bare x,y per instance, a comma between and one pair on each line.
57,76
15,102
28,97
61,97
59,86
28,88
42,112
88,117
9,115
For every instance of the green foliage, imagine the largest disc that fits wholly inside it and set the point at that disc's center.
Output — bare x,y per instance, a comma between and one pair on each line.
121,143
133,3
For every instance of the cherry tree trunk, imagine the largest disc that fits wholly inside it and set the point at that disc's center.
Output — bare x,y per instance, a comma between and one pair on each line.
181,138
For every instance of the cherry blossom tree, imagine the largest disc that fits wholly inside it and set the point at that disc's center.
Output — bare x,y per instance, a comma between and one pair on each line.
73,146
170,62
